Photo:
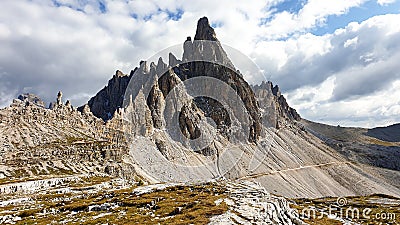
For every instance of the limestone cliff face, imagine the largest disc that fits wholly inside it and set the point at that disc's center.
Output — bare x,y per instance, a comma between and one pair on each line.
171,107
104,104
204,56
275,111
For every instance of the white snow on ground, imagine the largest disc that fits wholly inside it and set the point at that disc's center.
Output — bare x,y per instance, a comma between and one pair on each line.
153,187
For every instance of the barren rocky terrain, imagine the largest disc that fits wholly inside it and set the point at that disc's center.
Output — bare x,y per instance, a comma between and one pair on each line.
188,141
379,147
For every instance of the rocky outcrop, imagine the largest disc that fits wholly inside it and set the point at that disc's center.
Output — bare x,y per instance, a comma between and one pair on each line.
188,50
202,57
250,203
206,46
138,117
169,100
189,121
275,111
155,101
36,141
236,82
104,104
206,57
32,186
204,31
29,98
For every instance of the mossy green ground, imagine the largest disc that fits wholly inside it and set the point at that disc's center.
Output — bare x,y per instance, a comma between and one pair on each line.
193,204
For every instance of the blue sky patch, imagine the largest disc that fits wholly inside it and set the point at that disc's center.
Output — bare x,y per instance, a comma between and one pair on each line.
217,24
292,6
356,14
177,15
172,15
102,7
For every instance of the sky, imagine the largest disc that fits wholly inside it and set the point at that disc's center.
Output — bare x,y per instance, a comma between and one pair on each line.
336,61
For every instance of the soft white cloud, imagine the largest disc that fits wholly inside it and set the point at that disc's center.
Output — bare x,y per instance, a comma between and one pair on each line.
350,42
386,2
378,109
309,59
327,78
75,46
313,14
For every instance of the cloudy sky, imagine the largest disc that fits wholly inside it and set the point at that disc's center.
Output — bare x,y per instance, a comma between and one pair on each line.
337,61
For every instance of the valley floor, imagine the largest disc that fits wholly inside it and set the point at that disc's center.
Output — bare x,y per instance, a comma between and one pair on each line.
101,199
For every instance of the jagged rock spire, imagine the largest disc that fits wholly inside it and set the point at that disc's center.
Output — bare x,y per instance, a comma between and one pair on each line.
59,98
188,50
118,73
173,61
205,46
161,66
204,31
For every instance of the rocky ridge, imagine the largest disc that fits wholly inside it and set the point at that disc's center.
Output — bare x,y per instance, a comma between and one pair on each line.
40,142
29,98
379,147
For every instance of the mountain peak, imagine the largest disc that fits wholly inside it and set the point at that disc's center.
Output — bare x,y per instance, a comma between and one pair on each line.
204,31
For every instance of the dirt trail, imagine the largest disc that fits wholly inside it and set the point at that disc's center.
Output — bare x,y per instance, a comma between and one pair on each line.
292,169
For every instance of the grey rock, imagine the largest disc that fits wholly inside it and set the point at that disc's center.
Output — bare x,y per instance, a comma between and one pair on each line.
139,121
287,159
204,31
104,104
59,140
59,98
173,61
276,112
188,50
155,101
161,66
252,204
31,98
68,105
